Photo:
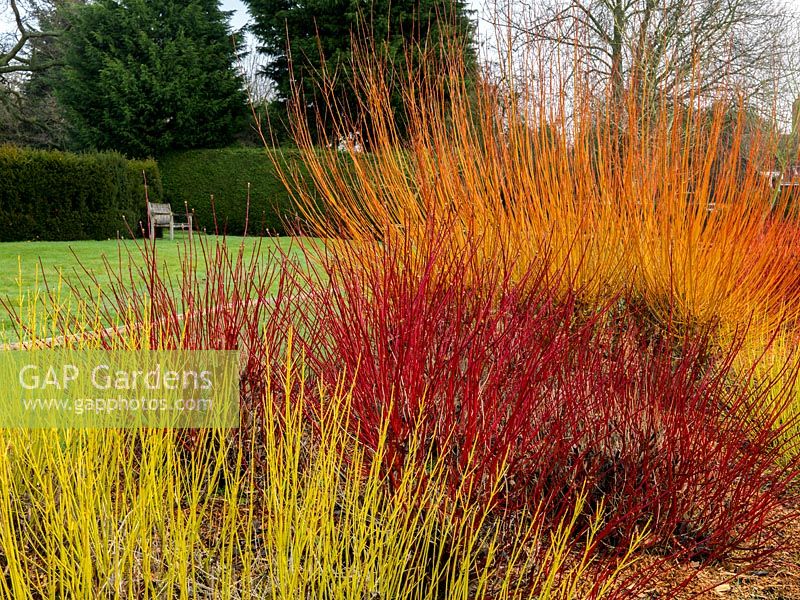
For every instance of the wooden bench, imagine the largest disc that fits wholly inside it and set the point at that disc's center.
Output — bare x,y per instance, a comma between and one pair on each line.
161,215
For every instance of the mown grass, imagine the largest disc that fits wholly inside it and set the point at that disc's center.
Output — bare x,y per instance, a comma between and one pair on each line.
31,268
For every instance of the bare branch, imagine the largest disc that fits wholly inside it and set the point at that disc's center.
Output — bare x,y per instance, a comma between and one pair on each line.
17,58
674,46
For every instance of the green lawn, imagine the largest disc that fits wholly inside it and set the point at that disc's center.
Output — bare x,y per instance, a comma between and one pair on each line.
23,263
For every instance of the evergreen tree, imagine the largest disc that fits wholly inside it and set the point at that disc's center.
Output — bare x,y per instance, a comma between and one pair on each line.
320,30
147,76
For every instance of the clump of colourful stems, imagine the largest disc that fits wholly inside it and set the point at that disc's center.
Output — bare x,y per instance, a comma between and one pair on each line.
468,371
664,200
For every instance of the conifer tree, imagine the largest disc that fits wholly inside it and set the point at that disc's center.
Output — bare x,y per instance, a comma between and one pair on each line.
146,76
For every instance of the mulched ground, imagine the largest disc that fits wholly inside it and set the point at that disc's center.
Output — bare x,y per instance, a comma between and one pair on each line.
778,578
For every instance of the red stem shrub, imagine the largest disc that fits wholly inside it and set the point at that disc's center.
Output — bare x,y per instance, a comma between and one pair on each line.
488,371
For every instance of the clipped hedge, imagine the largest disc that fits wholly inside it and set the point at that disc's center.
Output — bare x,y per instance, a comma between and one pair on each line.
49,195
191,177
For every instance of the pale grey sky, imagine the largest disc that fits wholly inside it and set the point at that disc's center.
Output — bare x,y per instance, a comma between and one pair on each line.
240,16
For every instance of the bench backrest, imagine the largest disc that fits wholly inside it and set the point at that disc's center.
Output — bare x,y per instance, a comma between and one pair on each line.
160,214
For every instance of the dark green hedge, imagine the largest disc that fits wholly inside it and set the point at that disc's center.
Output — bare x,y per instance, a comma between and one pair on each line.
47,195
191,177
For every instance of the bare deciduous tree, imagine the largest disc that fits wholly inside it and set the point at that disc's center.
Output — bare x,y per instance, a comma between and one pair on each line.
683,47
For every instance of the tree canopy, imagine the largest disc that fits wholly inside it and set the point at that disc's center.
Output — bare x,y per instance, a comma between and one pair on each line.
147,76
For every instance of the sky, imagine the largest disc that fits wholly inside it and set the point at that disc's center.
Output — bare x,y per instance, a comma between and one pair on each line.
240,16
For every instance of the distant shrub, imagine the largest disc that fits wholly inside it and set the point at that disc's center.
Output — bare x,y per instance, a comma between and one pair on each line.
48,195
193,176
